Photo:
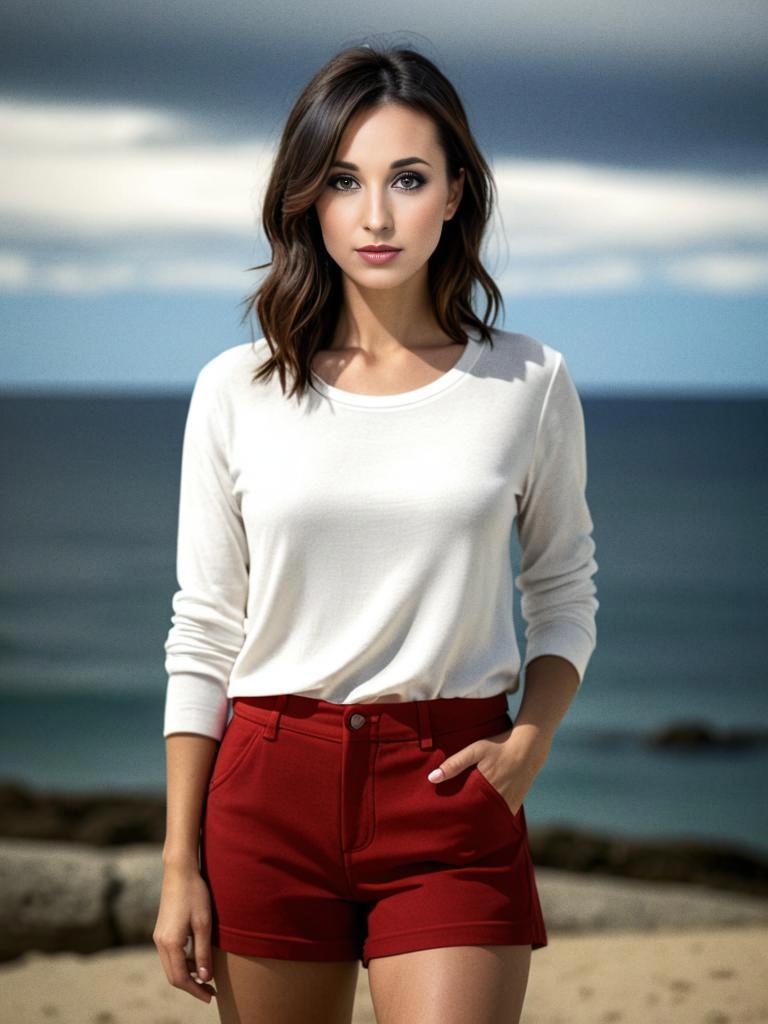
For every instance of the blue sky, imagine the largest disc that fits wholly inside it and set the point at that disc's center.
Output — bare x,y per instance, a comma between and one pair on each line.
628,143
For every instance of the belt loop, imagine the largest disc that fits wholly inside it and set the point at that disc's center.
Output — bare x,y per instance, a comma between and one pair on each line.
270,732
425,731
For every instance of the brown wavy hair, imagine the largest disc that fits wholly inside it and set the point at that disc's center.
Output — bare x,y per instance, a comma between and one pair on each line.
299,300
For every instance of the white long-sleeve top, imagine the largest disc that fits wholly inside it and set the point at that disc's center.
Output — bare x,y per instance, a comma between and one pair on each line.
356,548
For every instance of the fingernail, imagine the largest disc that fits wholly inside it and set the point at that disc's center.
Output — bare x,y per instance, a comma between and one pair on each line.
436,775
203,972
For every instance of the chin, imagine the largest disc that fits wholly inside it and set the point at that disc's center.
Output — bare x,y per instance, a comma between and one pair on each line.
367,276
377,286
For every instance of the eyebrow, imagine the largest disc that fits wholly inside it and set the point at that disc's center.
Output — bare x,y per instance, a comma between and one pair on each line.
397,163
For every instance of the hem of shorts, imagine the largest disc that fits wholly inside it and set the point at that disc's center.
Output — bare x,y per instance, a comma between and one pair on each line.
479,933
233,940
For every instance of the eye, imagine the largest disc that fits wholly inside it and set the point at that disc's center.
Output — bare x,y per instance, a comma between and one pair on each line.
340,177
414,175
418,178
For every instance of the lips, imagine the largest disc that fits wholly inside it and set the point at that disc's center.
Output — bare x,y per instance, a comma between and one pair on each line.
379,257
378,248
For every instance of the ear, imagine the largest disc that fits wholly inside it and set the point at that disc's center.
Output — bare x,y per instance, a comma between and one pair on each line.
455,194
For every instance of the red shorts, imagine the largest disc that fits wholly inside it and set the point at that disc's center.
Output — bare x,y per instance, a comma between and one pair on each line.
322,838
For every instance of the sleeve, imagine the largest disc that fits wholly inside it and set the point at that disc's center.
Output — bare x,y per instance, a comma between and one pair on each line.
209,608
554,527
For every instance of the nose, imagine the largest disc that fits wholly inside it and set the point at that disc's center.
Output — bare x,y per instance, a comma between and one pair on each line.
377,214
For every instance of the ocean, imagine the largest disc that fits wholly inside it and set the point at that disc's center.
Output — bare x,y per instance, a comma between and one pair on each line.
678,493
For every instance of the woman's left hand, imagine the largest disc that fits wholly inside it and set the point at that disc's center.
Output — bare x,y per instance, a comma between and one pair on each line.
508,761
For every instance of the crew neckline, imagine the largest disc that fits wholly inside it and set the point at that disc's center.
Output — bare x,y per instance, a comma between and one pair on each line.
457,372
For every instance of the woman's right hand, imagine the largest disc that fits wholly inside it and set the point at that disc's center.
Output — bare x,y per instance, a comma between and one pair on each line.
185,911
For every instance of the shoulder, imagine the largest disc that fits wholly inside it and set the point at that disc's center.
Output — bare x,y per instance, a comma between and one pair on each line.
224,383
231,363
231,371
523,359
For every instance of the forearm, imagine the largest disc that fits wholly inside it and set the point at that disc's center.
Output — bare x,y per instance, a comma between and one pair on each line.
188,764
551,683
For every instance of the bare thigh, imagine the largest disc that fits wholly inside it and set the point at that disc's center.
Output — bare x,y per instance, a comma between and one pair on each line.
253,989
451,985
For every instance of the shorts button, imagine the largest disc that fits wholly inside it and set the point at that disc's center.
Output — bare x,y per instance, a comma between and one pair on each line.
356,721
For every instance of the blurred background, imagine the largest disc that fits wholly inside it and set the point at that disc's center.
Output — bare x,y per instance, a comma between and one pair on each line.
629,147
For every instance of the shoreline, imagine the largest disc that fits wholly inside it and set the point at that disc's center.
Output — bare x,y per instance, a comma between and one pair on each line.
70,897
76,920
114,821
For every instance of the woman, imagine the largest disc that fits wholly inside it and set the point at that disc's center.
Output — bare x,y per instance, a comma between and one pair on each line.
349,486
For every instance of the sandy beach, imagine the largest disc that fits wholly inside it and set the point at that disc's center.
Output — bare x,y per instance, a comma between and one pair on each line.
710,975
76,922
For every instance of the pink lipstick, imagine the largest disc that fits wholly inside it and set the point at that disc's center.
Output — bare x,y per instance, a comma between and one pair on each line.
378,253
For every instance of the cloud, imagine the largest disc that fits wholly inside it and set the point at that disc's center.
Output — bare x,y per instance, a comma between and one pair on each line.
20,273
88,277
553,207
704,32
722,271
111,195
617,274
49,128
72,171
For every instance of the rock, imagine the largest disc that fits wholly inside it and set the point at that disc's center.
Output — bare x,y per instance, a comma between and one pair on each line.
717,865
582,903
53,896
122,821
692,735
71,897
138,874
99,819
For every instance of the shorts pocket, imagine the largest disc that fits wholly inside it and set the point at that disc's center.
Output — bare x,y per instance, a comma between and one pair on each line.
450,743
239,739
487,787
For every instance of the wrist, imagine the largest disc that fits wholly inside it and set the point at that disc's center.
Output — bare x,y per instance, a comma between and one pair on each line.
530,743
181,860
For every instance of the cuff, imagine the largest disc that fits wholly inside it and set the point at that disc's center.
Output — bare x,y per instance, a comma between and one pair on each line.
566,639
194,703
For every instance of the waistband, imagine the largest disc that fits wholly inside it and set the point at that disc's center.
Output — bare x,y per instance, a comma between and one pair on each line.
386,720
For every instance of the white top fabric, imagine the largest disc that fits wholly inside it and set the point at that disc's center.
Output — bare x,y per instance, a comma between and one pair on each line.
356,548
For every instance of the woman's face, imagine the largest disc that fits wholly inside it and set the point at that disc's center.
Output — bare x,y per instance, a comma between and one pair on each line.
373,203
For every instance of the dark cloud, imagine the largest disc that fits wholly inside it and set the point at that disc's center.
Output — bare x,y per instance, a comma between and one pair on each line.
652,89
